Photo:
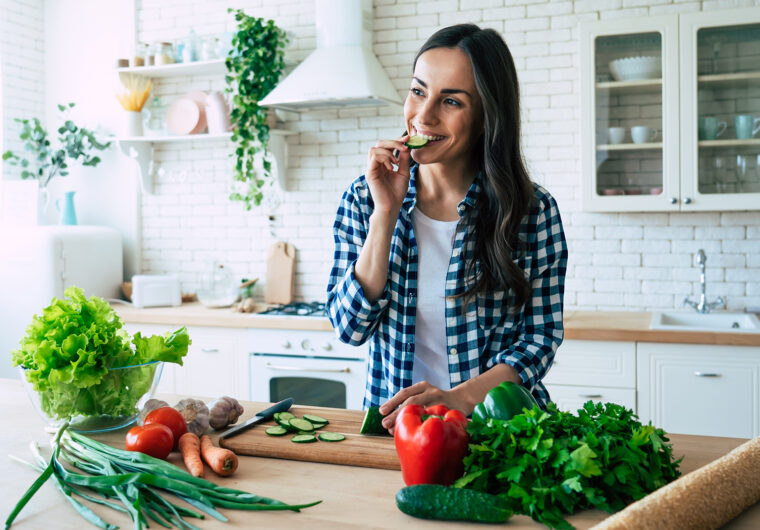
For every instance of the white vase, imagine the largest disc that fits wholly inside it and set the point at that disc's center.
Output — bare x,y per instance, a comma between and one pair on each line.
43,201
133,123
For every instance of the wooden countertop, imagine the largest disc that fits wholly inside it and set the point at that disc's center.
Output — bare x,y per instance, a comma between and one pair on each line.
352,497
581,325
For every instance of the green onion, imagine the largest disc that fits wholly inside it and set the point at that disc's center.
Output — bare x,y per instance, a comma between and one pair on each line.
138,481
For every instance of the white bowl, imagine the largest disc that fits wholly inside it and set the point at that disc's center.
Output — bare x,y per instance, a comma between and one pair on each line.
636,68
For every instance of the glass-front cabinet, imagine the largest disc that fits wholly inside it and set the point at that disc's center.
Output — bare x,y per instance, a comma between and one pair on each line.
671,112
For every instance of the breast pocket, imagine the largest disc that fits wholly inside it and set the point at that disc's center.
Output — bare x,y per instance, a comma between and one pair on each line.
493,307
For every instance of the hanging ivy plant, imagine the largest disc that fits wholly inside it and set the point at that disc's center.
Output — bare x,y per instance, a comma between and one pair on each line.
254,66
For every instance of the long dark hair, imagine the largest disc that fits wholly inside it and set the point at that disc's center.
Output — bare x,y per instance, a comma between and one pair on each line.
507,189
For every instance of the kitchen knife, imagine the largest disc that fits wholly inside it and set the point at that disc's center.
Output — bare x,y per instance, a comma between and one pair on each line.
264,415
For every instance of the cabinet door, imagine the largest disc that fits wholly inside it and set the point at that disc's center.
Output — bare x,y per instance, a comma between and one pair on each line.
571,398
594,363
216,364
720,74
629,103
700,389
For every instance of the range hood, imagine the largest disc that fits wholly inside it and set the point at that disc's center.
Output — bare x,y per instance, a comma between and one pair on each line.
342,71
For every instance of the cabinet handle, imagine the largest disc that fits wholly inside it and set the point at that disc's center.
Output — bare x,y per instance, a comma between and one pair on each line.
210,350
687,200
706,374
298,369
590,396
673,200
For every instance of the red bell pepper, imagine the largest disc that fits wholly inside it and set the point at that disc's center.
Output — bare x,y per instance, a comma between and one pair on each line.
431,451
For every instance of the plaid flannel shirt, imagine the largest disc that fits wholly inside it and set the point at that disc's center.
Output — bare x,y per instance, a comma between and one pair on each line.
478,336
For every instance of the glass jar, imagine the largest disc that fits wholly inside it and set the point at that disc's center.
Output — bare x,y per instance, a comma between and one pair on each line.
164,53
140,56
208,49
155,118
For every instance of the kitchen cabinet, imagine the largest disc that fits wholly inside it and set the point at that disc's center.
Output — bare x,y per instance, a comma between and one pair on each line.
216,363
141,148
660,98
600,371
700,389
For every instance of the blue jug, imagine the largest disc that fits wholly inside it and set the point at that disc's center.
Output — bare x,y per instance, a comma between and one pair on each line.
68,213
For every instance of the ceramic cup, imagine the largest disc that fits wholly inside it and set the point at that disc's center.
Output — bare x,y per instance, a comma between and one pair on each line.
133,123
746,126
616,135
642,134
709,128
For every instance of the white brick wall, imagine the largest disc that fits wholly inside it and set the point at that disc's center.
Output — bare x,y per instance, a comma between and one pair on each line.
22,64
639,261
643,261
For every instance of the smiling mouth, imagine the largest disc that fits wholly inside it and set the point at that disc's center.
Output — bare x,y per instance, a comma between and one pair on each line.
428,137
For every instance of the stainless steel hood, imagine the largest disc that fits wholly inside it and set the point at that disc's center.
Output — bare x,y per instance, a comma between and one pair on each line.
342,71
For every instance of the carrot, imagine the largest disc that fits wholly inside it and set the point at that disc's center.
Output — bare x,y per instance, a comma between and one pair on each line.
222,461
190,449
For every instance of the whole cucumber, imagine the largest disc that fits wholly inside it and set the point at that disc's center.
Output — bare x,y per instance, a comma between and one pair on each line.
433,501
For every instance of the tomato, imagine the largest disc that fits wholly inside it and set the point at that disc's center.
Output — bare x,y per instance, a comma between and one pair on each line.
171,418
155,440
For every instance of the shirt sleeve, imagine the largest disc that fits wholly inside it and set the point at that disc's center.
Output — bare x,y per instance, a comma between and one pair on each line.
532,353
350,312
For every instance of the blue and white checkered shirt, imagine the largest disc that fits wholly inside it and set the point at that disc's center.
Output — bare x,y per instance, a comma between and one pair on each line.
479,335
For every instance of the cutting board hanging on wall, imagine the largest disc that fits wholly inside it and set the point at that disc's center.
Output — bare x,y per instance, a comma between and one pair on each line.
281,268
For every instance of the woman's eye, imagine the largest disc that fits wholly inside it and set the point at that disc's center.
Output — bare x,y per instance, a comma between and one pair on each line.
450,101
416,91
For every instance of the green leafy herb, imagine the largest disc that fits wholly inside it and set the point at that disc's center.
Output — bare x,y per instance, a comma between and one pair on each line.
547,464
71,351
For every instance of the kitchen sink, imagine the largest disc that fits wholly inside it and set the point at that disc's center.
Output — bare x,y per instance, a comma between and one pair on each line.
718,321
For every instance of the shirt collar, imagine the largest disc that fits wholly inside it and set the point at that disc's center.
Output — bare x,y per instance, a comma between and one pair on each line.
467,202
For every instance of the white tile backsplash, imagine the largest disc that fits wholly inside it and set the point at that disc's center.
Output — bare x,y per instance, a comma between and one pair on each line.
628,260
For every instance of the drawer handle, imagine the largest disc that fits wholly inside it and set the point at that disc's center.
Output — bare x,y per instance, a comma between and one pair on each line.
590,396
299,369
706,374
210,350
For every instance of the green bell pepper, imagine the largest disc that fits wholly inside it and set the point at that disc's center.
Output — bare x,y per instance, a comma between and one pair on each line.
504,401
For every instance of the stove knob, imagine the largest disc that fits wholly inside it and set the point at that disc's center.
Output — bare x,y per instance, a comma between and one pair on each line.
287,345
306,345
327,346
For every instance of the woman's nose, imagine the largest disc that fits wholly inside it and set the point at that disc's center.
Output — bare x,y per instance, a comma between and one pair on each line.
427,113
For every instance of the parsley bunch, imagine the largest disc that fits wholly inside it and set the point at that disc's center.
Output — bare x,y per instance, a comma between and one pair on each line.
546,464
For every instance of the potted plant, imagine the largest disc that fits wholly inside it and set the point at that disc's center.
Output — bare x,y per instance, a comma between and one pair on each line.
42,162
254,66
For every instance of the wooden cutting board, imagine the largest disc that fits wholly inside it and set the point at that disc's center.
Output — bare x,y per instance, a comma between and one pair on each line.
356,450
281,268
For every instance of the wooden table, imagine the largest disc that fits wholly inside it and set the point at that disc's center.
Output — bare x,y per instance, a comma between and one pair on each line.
352,497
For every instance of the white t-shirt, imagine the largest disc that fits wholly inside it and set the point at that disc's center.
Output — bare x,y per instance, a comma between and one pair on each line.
434,242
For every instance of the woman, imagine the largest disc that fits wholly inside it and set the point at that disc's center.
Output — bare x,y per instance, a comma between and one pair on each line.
448,258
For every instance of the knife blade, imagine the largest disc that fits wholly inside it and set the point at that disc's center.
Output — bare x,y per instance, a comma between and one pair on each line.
264,415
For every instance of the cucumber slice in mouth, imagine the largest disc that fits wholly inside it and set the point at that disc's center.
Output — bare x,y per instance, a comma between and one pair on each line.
415,142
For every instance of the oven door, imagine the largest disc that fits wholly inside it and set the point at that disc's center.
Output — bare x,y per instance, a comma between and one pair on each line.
315,381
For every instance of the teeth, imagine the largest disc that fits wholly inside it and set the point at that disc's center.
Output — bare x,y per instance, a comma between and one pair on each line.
430,138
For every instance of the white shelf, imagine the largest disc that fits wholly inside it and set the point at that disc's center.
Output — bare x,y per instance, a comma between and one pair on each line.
215,67
629,147
140,149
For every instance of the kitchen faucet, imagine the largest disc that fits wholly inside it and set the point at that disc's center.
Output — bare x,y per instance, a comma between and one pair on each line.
703,306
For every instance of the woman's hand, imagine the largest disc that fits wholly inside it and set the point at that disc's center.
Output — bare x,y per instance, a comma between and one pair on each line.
388,186
425,394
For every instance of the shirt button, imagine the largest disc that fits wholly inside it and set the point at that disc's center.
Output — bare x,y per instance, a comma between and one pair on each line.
453,351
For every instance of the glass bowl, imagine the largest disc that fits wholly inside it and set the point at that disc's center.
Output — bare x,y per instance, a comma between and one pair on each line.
111,403
636,68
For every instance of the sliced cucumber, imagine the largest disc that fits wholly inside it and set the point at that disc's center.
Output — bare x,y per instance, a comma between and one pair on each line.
301,425
315,419
331,437
415,142
318,426
277,430
286,415
286,425
303,438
